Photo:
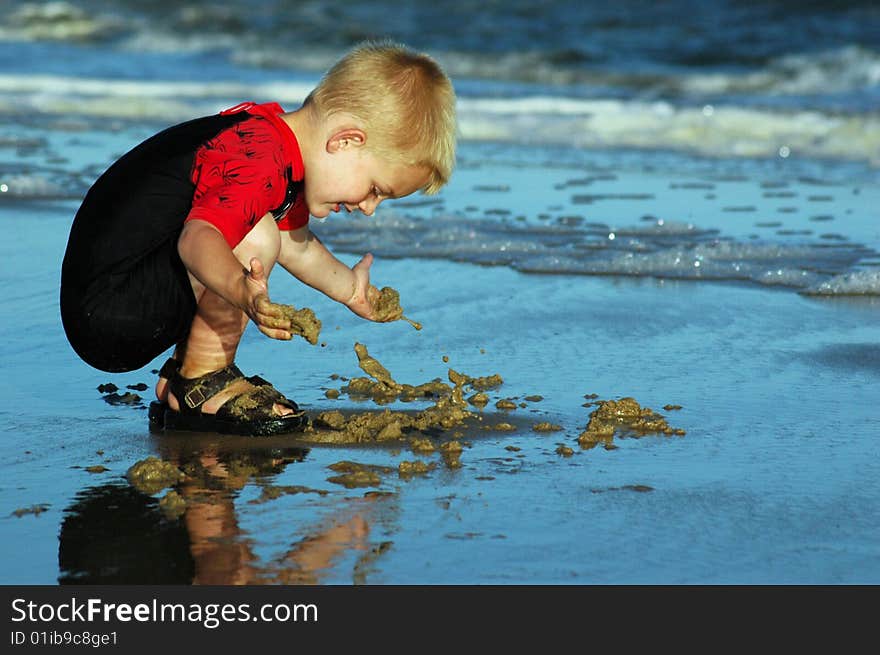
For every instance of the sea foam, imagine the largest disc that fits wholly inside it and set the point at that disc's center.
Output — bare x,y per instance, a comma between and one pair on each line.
716,131
856,283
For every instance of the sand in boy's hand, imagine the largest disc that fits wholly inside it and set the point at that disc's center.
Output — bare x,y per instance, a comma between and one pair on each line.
386,307
302,322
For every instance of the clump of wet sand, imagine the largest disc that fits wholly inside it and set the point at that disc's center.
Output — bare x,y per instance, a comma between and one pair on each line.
36,510
354,474
152,474
303,322
564,450
386,307
383,388
478,399
272,492
432,430
503,426
624,417
407,469
371,366
172,505
546,426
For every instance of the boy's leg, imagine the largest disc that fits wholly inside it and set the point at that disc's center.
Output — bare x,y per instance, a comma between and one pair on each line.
218,326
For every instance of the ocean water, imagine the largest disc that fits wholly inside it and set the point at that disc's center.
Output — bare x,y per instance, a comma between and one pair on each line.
645,205
792,94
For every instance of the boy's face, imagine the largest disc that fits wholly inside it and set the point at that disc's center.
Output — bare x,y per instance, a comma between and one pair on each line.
346,175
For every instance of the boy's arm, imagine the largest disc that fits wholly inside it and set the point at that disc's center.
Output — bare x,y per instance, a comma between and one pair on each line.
211,261
305,257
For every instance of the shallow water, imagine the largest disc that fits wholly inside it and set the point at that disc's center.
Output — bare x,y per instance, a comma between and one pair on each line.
685,221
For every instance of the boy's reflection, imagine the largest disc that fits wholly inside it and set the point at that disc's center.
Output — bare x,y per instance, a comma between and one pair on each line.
115,534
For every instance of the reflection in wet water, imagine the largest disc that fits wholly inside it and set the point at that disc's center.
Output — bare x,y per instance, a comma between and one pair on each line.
114,534
119,534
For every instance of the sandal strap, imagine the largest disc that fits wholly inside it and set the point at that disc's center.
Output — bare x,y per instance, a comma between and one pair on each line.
270,394
195,391
256,404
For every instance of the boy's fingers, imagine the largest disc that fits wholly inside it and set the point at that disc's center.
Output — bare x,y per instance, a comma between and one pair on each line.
365,262
268,308
275,322
257,271
281,335
270,319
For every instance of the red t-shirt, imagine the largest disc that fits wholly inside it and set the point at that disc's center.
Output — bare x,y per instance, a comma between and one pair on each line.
249,169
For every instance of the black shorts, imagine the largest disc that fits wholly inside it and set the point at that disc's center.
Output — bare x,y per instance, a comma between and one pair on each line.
125,294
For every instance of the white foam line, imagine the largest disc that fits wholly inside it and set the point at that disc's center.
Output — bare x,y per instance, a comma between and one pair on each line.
724,130
713,131
77,86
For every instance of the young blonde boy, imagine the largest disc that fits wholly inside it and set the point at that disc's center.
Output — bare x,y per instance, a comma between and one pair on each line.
173,245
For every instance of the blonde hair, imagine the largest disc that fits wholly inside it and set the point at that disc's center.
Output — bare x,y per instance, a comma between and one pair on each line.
405,101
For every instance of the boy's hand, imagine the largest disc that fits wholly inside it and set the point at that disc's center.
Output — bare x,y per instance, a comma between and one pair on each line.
268,316
365,294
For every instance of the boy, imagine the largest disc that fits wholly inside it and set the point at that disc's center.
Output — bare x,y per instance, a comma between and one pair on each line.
174,243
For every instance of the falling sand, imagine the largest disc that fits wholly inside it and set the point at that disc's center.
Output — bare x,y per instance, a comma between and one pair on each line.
449,411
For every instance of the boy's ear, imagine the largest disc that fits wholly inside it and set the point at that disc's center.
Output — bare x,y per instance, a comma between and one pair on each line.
350,137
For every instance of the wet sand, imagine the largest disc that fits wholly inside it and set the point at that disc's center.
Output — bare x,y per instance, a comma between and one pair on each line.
773,480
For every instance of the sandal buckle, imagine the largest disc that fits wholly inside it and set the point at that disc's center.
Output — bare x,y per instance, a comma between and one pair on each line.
194,398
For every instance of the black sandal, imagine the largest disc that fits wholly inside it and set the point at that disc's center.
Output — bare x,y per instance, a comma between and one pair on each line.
248,413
